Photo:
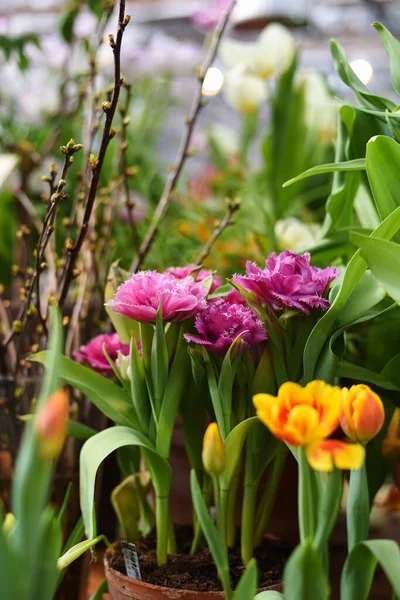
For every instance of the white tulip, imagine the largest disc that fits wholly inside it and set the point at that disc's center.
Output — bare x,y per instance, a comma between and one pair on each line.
244,91
234,53
277,49
321,108
269,55
293,234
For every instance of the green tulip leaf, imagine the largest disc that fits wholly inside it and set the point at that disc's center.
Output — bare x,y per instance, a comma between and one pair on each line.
359,568
392,47
110,399
357,164
304,577
97,448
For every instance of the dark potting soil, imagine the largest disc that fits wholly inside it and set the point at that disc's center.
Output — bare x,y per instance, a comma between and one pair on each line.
198,572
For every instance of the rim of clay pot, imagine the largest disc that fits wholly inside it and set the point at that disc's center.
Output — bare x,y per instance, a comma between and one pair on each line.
125,583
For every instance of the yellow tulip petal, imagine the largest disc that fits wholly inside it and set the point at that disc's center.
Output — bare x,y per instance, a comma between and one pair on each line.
349,456
324,455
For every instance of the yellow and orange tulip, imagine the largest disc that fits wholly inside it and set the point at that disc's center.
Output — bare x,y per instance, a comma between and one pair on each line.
362,413
326,455
299,416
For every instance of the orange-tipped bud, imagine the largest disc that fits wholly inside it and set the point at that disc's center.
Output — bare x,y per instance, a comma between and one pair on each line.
391,443
326,455
214,453
299,416
51,425
362,413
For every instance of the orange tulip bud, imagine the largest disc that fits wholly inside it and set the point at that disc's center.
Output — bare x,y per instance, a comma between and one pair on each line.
325,455
51,425
214,453
391,443
298,415
362,413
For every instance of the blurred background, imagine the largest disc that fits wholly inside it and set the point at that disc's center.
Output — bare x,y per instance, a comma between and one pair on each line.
165,40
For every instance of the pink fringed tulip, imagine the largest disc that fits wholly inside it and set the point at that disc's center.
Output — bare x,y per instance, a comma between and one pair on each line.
93,354
221,323
140,297
288,280
362,413
182,272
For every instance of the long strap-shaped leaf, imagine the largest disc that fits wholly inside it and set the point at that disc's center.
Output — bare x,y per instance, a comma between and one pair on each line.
354,272
212,535
357,164
110,399
97,448
360,567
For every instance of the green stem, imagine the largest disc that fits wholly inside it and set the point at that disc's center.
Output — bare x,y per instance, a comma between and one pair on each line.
217,502
231,519
171,547
357,507
328,509
247,529
269,496
162,524
307,508
224,508
198,538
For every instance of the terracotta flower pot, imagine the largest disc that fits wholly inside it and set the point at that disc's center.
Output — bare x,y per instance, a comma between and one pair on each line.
122,587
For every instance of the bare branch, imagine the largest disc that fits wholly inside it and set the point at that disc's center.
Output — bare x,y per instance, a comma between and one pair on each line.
109,109
182,154
232,207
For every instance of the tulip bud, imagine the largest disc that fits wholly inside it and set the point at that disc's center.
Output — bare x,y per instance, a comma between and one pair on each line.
362,413
9,523
51,425
123,364
293,234
214,453
391,443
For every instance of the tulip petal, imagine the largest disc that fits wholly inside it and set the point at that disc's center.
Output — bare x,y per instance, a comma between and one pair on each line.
325,455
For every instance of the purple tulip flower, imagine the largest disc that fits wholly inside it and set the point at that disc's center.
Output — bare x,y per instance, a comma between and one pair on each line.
182,272
221,323
288,280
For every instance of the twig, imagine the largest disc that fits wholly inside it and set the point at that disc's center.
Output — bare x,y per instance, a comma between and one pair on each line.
76,314
182,154
7,328
232,207
91,125
56,196
97,163
126,171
